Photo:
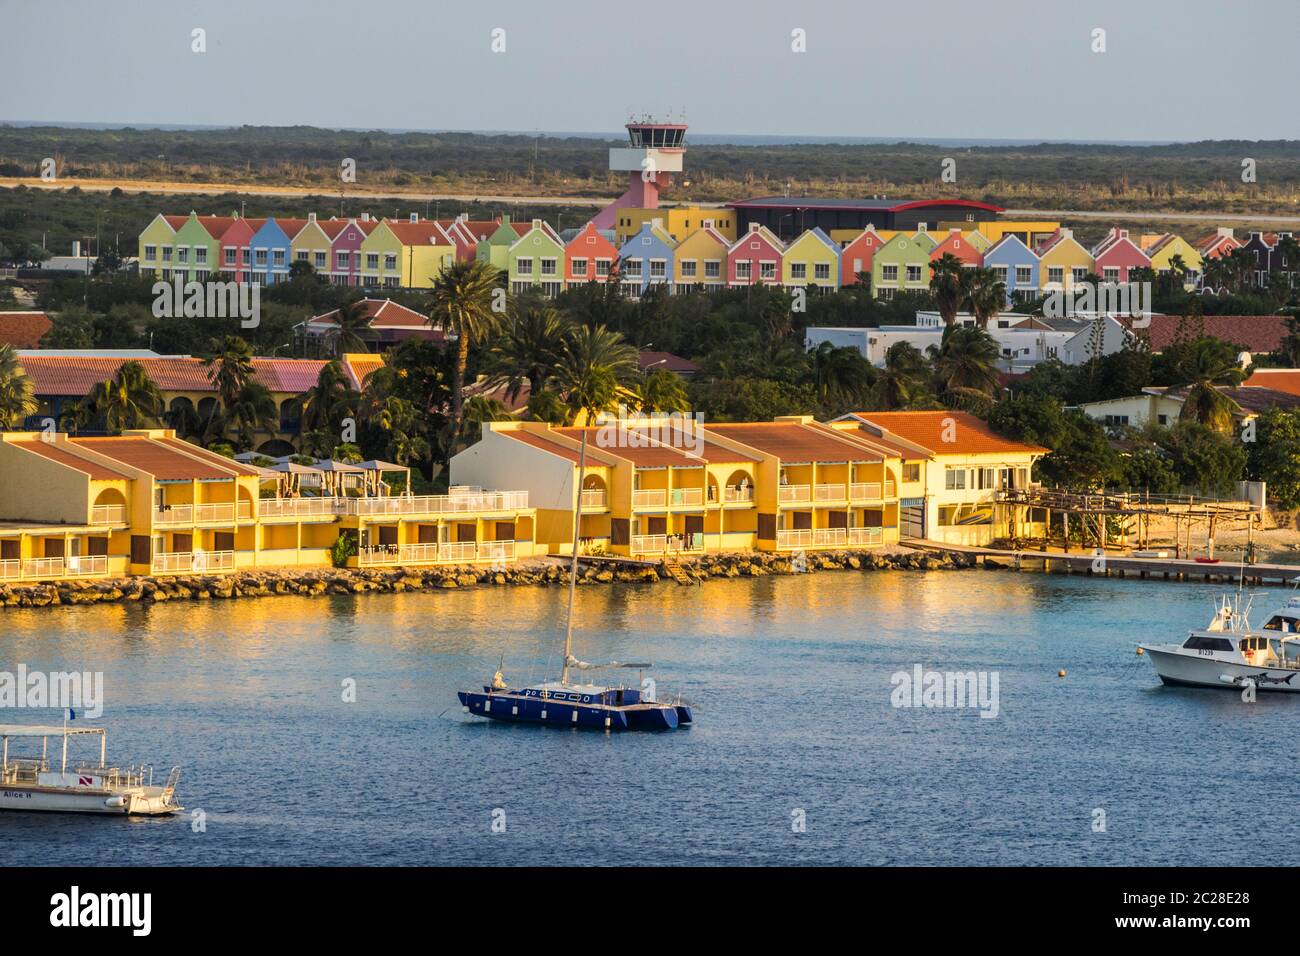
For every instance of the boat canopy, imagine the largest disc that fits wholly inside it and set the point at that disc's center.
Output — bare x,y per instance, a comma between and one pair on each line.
39,730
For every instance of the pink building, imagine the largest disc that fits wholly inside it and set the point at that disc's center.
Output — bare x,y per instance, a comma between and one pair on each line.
1116,255
346,236
755,257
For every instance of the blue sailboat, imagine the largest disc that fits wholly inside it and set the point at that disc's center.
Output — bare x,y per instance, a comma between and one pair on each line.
567,703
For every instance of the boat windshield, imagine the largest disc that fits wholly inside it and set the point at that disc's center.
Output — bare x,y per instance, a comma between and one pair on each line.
1200,642
1283,623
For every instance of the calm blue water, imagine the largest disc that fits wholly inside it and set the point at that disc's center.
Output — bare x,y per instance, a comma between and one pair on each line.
791,677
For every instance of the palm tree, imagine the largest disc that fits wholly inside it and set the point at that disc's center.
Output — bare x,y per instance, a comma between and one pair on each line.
661,391
461,303
840,374
17,396
1207,370
966,365
329,401
592,369
902,382
252,411
230,368
480,409
351,321
986,294
129,399
528,348
948,286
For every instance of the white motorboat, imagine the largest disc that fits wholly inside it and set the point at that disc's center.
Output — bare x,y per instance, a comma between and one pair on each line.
1228,653
28,782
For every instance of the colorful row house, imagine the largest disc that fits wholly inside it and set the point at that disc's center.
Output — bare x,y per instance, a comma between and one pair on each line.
147,503
902,264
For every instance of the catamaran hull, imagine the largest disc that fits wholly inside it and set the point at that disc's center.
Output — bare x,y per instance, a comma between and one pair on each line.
102,801
549,712
1182,670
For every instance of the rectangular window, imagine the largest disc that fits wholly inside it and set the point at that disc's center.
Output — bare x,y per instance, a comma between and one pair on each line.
524,266
1110,274
372,260
911,472
821,270
300,255
230,255
548,267
1024,275
954,479
744,269
1055,275
342,260
259,257
277,257
166,253
889,273
913,273
201,255
602,267
1078,273
1000,272
320,260
182,253
390,260
633,268
798,270
687,268
713,269
658,269
767,270
578,267
150,253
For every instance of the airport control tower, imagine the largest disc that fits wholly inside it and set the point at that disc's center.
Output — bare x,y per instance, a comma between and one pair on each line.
653,156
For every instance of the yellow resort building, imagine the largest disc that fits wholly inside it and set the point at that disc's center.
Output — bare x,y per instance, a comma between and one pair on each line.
148,503
951,482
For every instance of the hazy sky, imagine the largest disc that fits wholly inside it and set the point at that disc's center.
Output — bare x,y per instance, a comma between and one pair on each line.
1173,69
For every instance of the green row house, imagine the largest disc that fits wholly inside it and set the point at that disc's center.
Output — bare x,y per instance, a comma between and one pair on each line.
902,265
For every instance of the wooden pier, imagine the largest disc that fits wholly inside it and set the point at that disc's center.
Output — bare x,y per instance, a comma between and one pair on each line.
1113,565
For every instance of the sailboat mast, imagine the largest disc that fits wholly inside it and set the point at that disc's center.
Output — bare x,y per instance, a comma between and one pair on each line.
573,567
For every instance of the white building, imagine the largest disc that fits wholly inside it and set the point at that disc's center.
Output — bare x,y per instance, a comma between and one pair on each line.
1023,340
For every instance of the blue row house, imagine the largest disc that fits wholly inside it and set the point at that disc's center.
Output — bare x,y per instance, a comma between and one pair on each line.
1016,265
646,259
271,253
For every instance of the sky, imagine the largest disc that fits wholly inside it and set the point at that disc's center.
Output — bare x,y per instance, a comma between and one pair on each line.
1017,69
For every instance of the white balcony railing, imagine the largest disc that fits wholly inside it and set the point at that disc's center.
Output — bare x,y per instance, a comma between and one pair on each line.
594,498
463,551
890,489
437,504
866,536
830,492
77,566
664,543
197,561
650,498
196,514
687,496
108,514
737,493
299,507
812,538
10,568
787,494
865,491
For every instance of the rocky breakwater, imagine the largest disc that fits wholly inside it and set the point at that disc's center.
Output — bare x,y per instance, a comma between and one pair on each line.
319,581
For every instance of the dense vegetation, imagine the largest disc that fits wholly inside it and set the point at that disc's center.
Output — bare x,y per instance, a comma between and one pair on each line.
1188,176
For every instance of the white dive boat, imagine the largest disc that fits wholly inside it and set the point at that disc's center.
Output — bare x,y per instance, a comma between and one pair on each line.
1229,654
28,783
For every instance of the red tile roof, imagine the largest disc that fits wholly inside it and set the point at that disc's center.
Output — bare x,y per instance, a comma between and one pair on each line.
931,429
594,457
384,313
1255,333
64,457
654,456
154,457
23,330
668,361
76,375
796,442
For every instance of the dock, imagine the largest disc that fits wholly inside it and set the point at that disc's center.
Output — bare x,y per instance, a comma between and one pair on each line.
1113,565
